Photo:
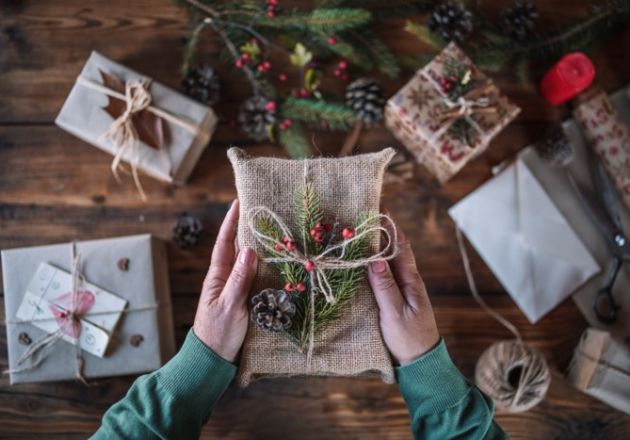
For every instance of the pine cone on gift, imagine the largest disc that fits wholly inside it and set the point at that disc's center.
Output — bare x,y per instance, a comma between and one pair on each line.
255,116
519,20
365,97
451,21
272,310
203,85
187,231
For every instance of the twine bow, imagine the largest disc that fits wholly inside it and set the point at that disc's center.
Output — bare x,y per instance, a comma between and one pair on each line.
475,101
333,256
69,322
122,132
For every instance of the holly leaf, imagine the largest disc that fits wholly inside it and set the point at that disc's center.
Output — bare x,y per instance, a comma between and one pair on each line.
150,128
300,56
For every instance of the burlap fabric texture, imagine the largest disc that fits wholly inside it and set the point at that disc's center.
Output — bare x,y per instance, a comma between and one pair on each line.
351,345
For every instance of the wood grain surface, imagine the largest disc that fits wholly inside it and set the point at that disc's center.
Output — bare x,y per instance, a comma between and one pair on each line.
55,188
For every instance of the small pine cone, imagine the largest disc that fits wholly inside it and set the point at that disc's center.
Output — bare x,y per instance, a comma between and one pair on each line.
519,20
555,148
254,117
365,97
202,84
272,310
451,21
187,231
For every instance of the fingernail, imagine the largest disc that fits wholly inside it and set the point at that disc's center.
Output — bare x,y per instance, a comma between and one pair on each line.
247,256
378,266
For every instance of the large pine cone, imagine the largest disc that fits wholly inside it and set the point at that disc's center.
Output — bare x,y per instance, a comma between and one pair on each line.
451,21
272,310
365,97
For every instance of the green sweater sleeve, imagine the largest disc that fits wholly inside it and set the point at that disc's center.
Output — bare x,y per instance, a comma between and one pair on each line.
442,404
174,401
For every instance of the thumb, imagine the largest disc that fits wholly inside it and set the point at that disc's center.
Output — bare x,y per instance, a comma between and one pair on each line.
386,291
240,280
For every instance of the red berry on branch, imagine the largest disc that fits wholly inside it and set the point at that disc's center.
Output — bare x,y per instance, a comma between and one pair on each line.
238,63
288,287
286,239
290,245
245,57
327,227
282,126
272,2
271,13
267,64
337,72
304,93
270,106
348,233
300,287
278,247
309,266
288,122
343,64
332,40
260,68
283,77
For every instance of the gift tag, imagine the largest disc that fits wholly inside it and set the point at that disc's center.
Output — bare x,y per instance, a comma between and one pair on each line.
49,297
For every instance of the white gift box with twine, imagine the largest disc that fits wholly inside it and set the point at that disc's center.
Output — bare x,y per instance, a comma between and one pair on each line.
186,126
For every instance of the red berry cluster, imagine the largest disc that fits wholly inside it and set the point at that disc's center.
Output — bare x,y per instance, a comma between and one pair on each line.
447,84
271,8
284,125
263,67
300,287
332,40
300,93
348,233
285,245
270,106
317,232
244,59
340,71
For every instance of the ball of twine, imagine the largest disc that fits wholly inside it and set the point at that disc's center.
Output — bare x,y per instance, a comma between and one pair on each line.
514,375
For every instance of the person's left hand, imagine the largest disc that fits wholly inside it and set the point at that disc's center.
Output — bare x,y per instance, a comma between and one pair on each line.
221,319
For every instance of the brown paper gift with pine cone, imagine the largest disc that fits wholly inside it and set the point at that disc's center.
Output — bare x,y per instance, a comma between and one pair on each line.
351,345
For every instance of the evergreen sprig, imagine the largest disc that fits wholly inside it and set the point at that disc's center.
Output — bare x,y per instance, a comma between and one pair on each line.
318,113
294,141
344,282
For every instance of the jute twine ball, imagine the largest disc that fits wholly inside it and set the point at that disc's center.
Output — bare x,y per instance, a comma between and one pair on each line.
514,375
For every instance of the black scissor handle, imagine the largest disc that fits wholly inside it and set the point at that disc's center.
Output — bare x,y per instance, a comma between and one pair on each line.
604,306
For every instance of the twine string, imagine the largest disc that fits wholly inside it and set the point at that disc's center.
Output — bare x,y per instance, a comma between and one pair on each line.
500,360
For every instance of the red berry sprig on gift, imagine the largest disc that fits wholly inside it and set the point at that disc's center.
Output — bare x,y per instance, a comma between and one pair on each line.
341,70
297,287
319,230
285,245
348,233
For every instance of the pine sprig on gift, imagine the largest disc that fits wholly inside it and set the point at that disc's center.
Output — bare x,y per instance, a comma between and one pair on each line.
319,113
308,212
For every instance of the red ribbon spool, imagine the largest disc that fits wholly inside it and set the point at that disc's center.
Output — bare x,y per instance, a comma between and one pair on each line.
567,78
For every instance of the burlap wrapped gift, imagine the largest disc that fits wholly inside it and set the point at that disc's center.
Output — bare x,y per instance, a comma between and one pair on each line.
351,345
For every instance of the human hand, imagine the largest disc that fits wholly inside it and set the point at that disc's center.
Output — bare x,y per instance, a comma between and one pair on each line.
406,317
222,316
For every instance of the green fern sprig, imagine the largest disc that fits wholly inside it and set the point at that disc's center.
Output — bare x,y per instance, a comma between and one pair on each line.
317,112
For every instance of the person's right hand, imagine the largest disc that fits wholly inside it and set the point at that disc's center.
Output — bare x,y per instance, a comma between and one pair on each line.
406,317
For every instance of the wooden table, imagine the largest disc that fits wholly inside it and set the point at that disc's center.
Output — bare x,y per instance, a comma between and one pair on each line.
55,188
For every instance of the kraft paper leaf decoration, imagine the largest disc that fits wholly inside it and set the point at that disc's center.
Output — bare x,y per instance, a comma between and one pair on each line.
150,127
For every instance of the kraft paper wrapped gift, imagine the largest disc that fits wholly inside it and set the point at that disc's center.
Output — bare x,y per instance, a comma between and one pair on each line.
601,367
442,127
143,289
186,124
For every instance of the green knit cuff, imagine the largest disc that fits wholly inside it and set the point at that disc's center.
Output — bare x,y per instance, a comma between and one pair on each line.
432,383
196,374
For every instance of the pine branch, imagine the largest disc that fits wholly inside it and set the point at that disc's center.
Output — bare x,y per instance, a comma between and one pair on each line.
294,141
345,49
308,212
325,21
422,33
191,46
319,113
383,59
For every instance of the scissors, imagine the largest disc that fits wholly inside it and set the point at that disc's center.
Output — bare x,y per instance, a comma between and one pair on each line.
604,208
